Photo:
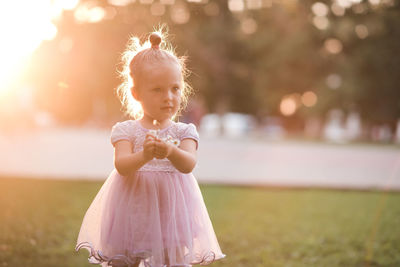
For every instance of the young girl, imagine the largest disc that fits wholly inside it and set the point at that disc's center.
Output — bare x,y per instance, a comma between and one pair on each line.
150,210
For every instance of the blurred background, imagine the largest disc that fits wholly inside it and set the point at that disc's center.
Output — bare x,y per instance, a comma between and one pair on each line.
283,69
288,93
270,78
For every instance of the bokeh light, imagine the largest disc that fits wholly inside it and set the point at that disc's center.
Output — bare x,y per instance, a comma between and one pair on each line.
334,81
89,12
180,14
333,46
248,26
319,9
344,3
361,31
321,23
119,2
290,103
359,8
309,99
236,5
157,9
254,4
337,10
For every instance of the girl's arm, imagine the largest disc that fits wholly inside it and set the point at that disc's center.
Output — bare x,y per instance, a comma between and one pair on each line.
126,162
183,158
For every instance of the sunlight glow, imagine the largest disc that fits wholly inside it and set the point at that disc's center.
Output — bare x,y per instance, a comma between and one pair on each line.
67,4
23,30
89,12
65,45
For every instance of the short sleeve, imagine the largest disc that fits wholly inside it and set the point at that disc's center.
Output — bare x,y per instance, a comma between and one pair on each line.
191,133
120,131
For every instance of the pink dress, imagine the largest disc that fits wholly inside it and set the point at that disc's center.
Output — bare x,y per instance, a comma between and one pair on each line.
156,215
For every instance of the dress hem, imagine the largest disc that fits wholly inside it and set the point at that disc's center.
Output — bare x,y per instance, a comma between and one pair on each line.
97,257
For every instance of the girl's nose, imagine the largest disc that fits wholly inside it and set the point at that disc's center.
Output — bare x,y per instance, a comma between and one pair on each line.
169,95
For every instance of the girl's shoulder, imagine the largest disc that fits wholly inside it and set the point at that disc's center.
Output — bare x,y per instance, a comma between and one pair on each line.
123,125
182,126
187,130
123,130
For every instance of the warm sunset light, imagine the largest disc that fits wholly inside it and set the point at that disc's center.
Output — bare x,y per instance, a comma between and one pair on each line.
24,25
123,122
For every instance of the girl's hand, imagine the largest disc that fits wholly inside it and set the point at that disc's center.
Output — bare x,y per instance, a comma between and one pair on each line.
162,149
149,146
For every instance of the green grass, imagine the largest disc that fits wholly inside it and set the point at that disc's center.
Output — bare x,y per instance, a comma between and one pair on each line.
40,221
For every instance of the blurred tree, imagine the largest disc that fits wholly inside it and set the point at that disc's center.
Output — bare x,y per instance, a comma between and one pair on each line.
244,57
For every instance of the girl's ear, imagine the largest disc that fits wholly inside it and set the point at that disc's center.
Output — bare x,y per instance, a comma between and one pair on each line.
134,93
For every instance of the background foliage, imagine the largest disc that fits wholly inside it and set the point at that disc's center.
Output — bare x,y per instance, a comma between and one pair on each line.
242,61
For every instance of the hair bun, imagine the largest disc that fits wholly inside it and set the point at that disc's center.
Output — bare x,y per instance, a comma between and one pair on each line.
155,40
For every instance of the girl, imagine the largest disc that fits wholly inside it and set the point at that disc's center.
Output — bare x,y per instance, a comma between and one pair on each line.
150,210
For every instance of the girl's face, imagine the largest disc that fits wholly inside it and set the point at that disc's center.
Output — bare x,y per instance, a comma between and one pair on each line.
159,87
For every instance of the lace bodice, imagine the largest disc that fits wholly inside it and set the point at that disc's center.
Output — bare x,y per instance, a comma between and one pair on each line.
134,132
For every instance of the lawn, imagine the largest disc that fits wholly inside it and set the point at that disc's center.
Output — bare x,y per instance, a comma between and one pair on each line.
40,220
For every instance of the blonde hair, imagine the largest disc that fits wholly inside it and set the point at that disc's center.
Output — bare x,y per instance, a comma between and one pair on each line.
155,48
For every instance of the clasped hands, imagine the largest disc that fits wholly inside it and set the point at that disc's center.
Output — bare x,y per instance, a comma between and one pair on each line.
153,147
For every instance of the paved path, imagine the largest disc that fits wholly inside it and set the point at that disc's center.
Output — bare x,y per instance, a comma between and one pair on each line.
88,154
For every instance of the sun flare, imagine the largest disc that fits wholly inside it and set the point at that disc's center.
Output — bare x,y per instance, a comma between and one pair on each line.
24,26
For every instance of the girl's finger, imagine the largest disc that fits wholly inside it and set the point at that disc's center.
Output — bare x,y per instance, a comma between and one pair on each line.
149,137
149,141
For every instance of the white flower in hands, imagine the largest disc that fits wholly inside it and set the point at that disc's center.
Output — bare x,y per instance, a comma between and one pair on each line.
164,146
155,133
168,139
171,140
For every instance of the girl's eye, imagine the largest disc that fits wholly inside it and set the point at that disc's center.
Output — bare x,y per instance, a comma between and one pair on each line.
176,89
156,89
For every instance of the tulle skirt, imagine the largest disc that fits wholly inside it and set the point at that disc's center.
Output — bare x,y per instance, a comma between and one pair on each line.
157,218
